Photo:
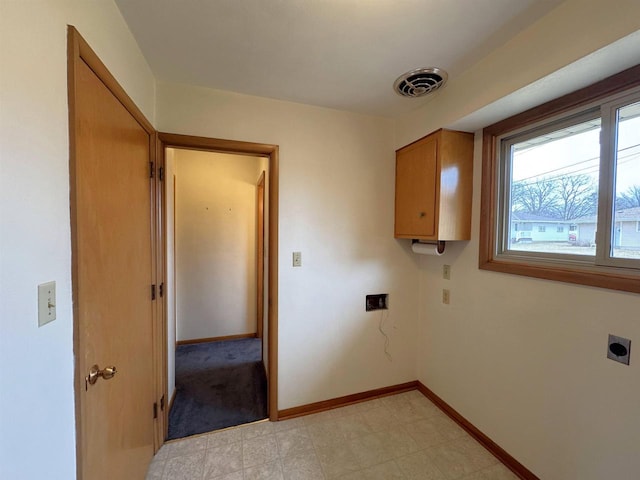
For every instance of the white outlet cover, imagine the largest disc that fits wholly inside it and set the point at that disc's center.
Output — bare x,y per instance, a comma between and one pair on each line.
446,272
46,303
446,296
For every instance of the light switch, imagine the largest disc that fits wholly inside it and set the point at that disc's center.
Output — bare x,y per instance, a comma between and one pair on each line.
46,303
297,259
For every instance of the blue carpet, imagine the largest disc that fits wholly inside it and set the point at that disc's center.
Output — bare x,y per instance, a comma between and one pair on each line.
218,385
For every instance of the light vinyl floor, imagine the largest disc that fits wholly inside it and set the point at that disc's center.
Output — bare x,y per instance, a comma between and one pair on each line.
402,436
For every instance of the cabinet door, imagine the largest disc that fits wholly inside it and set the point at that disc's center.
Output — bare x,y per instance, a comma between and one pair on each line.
416,169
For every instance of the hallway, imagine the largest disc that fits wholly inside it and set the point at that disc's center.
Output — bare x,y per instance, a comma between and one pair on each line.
218,385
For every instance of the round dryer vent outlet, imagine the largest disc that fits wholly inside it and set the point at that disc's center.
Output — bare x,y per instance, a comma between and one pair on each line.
420,82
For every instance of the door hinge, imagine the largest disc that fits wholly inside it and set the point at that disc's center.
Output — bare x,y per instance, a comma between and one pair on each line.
162,403
161,173
153,292
151,169
155,410
161,289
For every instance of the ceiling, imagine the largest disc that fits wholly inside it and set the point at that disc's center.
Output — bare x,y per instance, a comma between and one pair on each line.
342,54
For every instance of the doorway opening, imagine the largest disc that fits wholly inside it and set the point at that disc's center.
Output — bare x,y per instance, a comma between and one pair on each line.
214,265
220,238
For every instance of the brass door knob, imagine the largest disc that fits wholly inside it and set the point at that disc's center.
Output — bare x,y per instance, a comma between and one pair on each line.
95,372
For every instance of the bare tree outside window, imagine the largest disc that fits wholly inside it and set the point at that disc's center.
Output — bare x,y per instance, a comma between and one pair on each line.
629,199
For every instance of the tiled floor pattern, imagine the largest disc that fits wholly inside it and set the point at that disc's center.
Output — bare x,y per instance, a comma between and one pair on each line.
402,436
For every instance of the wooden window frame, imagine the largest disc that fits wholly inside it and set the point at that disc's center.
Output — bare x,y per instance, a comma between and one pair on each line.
614,278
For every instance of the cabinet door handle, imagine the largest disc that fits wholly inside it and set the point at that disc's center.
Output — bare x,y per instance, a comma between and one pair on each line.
422,214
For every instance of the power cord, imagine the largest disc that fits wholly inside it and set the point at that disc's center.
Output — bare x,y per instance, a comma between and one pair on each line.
386,337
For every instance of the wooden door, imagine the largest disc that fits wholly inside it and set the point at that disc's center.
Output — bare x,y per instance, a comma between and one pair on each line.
113,271
416,176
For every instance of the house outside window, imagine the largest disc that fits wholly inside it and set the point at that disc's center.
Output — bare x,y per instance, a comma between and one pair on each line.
575,169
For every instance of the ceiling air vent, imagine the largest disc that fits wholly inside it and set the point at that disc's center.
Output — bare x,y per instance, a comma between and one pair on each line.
420,82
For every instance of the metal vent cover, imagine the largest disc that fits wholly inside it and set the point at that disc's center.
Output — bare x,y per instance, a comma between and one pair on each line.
420,82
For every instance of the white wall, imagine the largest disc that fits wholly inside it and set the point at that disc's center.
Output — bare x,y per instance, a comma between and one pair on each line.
336,207
524,359
215,244
36,364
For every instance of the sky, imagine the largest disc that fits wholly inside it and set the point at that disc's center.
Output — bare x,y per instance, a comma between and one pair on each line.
579,154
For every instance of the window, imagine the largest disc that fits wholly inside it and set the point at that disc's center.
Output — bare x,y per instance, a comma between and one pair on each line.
573,164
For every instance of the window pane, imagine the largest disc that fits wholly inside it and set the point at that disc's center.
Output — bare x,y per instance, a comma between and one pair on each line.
625,238
553,198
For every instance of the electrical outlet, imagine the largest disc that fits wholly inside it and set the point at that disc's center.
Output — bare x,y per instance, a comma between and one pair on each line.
446,296
446,272
297,259
378,301
619,349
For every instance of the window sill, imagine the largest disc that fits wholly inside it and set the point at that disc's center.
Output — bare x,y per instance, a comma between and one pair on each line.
603,277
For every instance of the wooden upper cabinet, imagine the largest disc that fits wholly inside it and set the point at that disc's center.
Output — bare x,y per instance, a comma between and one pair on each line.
434,178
